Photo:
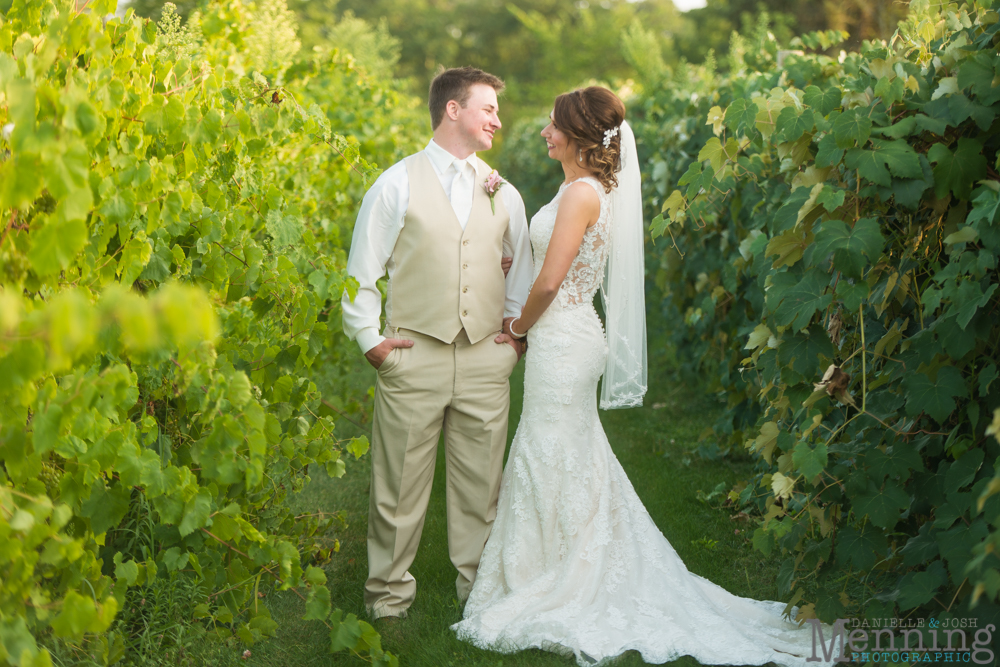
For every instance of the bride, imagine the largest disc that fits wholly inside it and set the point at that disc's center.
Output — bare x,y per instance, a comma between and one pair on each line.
574,563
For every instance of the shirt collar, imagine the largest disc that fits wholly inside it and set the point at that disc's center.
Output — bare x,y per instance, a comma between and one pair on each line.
441,159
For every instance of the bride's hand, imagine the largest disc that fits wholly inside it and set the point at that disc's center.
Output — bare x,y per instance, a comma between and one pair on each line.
506,327
505,263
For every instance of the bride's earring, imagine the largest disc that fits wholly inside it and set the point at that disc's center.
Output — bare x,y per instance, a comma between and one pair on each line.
579,155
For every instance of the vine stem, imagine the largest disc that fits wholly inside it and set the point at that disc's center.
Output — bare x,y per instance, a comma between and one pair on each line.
864,371
263,567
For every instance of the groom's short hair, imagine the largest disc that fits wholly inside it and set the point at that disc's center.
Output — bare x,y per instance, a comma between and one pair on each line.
454,84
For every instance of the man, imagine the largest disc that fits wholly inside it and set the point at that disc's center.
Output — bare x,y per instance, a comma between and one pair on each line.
441,360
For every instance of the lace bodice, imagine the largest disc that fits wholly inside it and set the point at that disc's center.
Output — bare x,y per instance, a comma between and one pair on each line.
586,273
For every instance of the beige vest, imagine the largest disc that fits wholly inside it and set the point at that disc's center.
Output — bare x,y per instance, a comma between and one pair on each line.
447,279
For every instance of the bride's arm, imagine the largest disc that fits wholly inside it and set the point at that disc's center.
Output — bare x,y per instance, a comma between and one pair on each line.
579,208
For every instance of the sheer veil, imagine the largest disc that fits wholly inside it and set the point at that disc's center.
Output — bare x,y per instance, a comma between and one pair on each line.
623,291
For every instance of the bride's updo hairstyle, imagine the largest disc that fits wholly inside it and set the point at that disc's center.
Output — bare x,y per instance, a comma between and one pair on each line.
584,116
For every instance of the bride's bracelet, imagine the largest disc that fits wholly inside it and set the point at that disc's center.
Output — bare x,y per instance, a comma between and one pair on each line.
514,333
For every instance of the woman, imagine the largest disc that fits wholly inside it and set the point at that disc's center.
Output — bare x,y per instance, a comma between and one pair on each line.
574,563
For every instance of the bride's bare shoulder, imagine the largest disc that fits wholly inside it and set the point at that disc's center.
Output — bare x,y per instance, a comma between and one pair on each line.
581,197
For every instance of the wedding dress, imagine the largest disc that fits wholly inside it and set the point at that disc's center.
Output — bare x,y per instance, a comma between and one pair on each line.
574,563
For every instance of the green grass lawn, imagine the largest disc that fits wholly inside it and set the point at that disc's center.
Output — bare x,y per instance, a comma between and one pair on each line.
655,445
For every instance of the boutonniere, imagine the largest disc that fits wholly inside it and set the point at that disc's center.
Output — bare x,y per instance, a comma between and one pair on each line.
493,183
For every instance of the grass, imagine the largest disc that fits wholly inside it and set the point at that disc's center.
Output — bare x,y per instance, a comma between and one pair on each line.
655,445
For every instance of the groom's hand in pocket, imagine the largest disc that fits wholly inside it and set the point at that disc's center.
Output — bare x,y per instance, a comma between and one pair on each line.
504,339
377,354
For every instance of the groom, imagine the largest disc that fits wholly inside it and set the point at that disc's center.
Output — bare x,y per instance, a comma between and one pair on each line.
441,359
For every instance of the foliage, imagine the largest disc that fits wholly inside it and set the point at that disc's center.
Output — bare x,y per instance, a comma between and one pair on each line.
831,266
709,28
170,262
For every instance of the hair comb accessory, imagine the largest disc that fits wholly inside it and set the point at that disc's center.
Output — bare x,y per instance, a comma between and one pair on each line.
609,135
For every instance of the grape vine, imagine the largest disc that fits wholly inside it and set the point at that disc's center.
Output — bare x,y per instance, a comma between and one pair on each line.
171,258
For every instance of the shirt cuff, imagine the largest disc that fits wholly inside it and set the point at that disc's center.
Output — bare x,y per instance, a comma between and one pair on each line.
368,338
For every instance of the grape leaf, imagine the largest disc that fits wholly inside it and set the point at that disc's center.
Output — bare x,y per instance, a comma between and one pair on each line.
810,460
791,124
829,153
196,512
106,507
823,101
317,604
862,549
957,172
936,398
917,588
798,301
851,247
883,507
55,245
852,128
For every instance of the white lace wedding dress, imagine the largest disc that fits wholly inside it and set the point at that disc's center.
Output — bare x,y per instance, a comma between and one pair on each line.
574,563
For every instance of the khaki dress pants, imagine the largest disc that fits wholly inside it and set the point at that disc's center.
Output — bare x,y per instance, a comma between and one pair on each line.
464,389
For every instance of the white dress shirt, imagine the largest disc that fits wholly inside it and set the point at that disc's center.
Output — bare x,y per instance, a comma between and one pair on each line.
380,221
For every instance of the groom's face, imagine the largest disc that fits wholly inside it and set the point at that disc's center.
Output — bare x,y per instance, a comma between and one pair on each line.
478,120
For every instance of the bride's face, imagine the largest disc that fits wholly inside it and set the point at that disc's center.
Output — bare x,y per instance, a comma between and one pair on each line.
560,146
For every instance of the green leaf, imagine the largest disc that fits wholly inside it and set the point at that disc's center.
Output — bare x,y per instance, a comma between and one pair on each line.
852,128
741,117
852,295
127,572
850,247
78,614
978,73
823,101
802,352
957,172
986,378
797,302
900,157
317,604
917,588
935,397
344,634
135,256
791,124
968,299
962,472
106,507
55,245
869,164
763,541
196,512
15,638
239,390
920,548
966,234
758,337
809,460
882,506
284,229
174,559
46,426
861,549
358,446
315,576
962,107
788,246
828,153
